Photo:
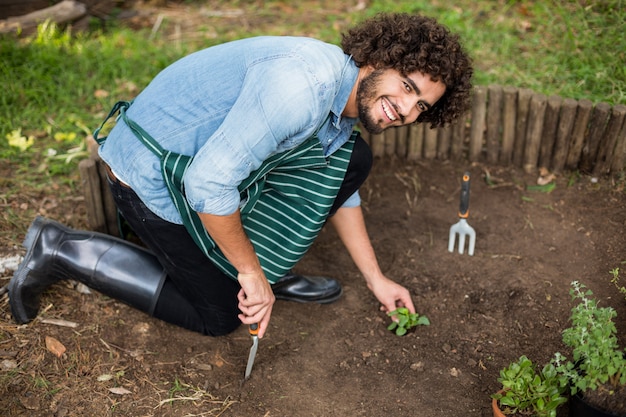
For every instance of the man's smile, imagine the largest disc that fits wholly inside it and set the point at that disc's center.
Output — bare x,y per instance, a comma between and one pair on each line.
388,110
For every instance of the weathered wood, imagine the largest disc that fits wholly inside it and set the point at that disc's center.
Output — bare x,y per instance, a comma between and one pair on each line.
578,133
390,141
550,124
63,12
443,142
597,125
9,8
416,141
619,155
509,113
609,139
90,181
536,113
402,136
430,142
521,122
563,134
377,143
477,128
108,204
458,137
494,122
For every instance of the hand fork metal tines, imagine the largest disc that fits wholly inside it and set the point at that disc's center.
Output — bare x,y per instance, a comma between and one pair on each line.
462,228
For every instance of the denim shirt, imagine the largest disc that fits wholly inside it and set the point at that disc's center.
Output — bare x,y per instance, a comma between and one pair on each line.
232,106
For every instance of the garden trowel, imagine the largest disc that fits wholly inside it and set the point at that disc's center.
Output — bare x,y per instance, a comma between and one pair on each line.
462,228
254,331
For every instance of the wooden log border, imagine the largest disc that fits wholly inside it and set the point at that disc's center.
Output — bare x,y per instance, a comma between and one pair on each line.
505,126
510,126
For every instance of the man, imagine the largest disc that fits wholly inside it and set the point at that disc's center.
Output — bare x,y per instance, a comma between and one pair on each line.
229,163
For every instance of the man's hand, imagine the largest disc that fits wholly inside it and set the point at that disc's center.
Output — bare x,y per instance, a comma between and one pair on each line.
350,226
256,297
391,294
256,300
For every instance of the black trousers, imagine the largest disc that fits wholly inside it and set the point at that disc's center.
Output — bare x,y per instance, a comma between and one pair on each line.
197,295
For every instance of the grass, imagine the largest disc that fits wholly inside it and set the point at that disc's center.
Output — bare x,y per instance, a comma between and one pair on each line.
57,85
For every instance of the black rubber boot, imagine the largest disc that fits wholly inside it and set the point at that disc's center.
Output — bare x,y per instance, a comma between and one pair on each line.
307,289
112,266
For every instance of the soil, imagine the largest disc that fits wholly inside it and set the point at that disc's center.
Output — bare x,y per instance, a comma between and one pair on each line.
509,299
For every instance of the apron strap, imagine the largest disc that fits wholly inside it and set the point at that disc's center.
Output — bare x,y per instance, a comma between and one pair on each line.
142,135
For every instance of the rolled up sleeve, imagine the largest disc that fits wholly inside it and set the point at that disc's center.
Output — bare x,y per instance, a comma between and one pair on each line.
275,111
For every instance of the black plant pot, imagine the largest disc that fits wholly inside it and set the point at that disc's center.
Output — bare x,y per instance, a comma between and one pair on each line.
578,407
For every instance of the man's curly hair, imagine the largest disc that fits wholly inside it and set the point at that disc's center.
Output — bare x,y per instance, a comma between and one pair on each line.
409,43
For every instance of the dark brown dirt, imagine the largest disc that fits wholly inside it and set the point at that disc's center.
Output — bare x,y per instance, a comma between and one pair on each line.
510,298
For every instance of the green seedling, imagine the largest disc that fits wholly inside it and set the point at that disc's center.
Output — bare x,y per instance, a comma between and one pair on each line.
405,320
616,281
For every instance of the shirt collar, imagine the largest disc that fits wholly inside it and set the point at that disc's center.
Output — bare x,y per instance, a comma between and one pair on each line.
349,76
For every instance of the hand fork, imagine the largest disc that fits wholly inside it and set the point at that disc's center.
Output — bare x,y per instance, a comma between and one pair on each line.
462,228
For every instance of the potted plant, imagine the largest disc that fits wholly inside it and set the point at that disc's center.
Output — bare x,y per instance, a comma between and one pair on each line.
526,392
596,373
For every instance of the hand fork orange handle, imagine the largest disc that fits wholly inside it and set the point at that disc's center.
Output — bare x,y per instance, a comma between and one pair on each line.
254,329
465,194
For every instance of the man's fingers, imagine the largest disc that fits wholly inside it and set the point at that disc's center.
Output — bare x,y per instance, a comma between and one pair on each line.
262,318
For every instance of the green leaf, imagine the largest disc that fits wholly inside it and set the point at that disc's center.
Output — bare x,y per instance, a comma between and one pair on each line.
547,188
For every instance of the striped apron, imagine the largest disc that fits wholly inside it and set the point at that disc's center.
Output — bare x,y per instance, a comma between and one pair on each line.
285,202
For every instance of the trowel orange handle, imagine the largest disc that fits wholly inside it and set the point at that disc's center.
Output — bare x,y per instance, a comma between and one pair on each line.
254,329
465,194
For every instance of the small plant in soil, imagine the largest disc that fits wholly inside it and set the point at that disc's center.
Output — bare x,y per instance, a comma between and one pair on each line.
615,280
597,370
405,320
526,392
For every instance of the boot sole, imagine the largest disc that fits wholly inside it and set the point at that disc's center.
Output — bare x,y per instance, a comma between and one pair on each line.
20,315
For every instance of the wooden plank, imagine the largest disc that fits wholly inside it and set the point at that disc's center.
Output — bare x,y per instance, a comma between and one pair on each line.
550,124
619,156
509,113
583,112
402,136
90,181
443,142
65,11
536,113
108,204
563,134
477,128
494,122
390,141
430,142
9,8
521,122
458,137
607,146
597,126
416,141
377,143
